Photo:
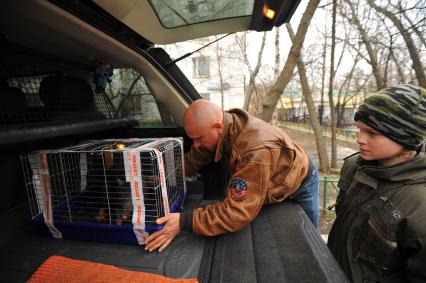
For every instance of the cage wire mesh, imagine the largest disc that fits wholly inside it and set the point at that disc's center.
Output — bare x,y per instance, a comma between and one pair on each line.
106,182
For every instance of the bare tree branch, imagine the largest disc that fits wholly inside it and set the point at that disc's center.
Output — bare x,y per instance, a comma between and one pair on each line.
417,64
272,97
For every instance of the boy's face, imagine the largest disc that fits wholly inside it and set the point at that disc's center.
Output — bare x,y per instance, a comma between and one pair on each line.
375,146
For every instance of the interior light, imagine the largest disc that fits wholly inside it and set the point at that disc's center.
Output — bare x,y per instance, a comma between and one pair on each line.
120,145
268,12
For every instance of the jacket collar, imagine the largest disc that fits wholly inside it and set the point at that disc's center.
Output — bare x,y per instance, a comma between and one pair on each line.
365,178
224,139
410,171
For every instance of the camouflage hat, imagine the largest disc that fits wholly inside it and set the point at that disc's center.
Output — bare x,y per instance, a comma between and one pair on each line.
398,112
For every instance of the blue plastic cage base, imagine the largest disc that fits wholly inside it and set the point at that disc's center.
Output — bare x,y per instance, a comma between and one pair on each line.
97,232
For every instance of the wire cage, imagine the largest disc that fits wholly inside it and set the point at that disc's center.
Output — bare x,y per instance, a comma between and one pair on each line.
105,190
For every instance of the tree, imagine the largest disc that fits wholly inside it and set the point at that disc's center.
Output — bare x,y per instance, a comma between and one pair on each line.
324,58
251,87
219,60
330,90
343,100
306,90
414,54
372,53
277,53
271,98
413,26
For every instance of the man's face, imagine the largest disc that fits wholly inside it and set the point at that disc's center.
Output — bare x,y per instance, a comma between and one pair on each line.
375,146
204,137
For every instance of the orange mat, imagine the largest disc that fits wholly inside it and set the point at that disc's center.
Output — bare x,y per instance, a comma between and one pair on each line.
62,269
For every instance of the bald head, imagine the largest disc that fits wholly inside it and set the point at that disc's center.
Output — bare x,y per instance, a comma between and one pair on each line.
203,122
202,113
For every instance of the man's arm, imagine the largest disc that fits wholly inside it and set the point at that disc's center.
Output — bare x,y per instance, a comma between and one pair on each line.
195,159
246,194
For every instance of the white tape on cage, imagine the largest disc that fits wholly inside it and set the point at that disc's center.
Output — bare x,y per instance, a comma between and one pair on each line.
132,165
151,146
83,171
161,171
170,161
46,195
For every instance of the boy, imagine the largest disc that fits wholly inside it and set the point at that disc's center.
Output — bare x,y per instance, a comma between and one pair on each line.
379,234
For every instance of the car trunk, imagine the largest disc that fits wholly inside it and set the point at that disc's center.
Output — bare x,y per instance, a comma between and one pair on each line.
279,245
23,248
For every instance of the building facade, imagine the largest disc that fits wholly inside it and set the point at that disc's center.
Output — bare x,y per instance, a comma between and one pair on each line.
216,71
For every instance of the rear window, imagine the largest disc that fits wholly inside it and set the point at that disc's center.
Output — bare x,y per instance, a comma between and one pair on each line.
180,13
132,98
38,89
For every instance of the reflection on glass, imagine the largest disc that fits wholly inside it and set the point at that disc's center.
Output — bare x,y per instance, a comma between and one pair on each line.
185,12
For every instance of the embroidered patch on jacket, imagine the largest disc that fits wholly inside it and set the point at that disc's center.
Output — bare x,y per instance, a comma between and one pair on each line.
238,188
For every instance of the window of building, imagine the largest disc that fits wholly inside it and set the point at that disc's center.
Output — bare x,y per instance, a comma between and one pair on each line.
201,67
205,95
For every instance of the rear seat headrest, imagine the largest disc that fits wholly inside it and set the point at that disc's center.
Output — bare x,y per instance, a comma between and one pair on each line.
62,92
12,98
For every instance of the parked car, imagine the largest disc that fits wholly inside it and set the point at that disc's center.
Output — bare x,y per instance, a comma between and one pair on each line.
72,71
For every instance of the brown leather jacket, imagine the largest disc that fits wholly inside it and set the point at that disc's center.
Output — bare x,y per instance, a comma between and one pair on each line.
266,167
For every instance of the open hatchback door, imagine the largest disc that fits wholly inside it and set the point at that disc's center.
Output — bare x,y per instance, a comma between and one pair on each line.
163,22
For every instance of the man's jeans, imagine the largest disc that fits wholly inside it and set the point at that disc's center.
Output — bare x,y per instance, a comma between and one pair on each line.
307,195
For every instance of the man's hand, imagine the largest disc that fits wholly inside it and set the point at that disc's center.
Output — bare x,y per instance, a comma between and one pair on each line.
161,239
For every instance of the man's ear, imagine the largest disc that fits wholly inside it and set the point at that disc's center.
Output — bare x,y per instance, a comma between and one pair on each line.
218,126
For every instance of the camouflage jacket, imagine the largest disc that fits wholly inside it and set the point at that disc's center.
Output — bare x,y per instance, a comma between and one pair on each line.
379,234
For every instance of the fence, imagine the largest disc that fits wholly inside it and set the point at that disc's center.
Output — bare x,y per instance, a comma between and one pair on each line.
345,134
326,184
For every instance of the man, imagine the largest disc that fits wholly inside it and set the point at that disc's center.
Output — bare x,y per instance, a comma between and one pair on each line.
265,166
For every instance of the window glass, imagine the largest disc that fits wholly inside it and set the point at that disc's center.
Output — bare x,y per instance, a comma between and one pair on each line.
201,66
126,96
131,98
205,95
53,98
185,12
